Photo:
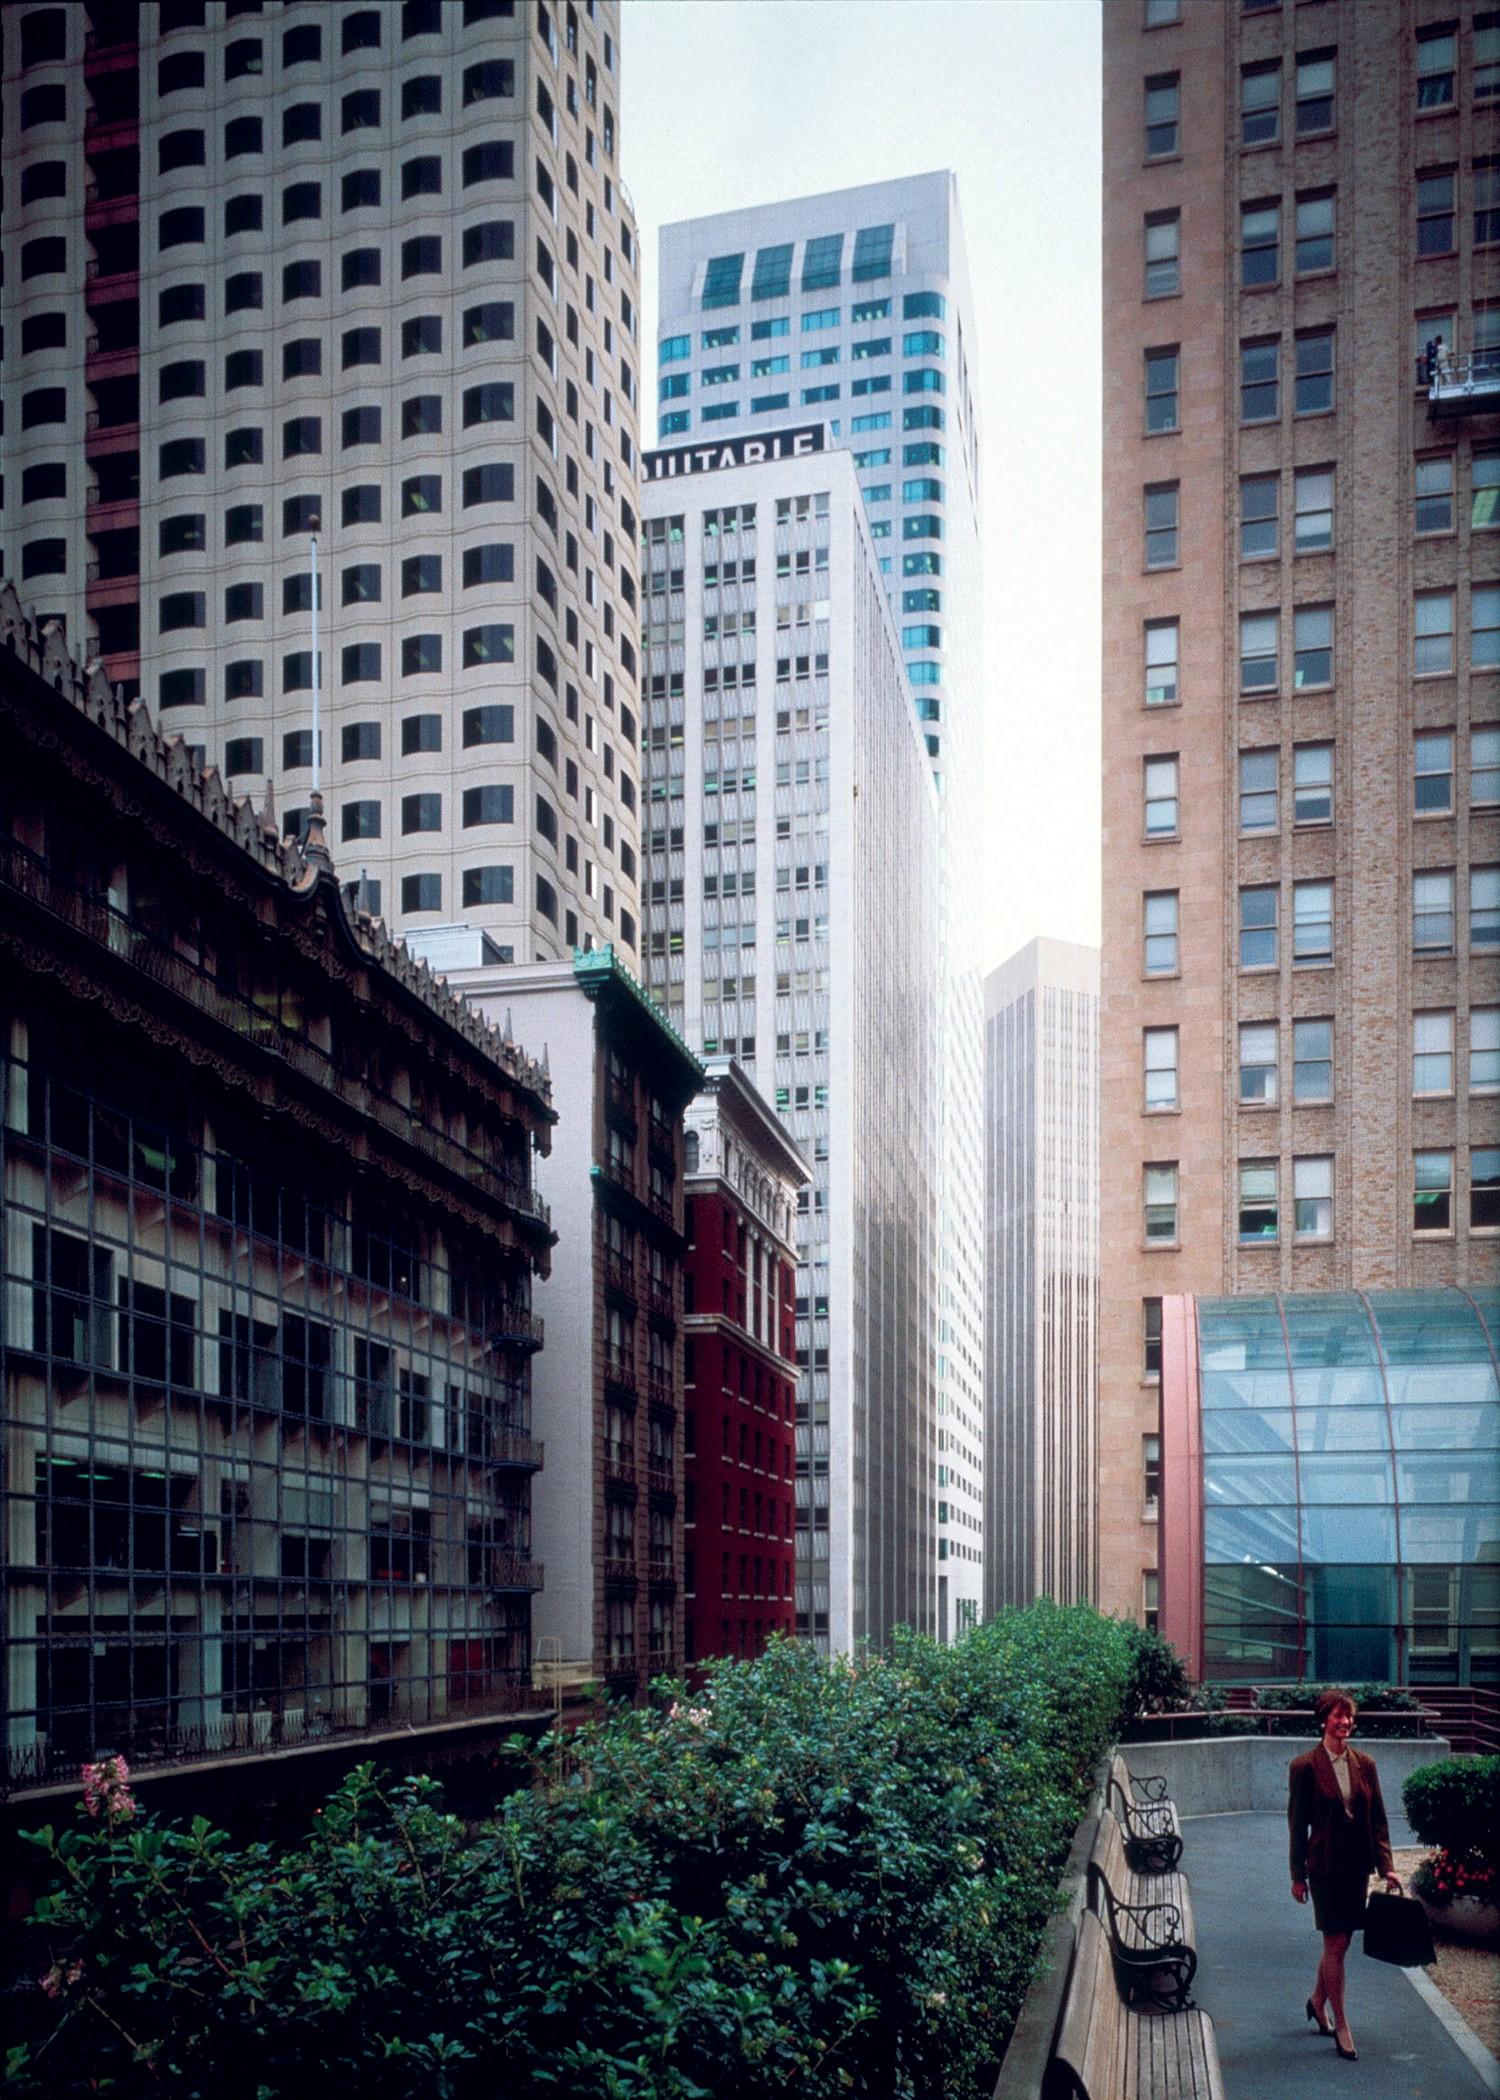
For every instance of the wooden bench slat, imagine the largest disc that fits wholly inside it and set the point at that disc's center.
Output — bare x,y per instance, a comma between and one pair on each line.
1114,2052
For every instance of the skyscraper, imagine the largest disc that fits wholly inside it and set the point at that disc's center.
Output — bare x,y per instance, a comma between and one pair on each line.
853,308
1299,1046
363,276
792,842
1041,1151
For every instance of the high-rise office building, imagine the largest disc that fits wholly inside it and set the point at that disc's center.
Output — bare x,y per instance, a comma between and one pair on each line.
791,842
853,308
1041,1151
1299,1047
363,276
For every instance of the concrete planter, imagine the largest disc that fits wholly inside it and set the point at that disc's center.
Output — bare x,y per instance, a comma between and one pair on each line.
1212,1776
1463,1918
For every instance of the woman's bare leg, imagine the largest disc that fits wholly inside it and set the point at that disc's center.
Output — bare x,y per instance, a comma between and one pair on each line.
1331,1981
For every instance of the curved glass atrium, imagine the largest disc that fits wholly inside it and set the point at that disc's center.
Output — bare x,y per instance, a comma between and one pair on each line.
1351,1486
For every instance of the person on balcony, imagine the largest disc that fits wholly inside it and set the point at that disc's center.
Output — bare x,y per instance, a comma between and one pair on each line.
1339,1837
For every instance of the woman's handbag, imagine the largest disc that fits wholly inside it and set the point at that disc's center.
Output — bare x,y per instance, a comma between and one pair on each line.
1397,1931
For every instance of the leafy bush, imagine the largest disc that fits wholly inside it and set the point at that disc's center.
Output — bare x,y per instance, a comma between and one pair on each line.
820,1878
1455,1803
1158,1676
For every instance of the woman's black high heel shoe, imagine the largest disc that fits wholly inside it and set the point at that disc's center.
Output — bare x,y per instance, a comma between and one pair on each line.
1317,2019
1350,2056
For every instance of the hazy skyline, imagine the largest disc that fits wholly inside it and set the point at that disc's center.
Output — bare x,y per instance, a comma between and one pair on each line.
728,103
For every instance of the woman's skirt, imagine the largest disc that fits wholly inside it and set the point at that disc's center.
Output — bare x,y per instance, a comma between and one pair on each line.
1338,1901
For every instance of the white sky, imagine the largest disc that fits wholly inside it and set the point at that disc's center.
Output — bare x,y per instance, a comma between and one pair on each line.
735,102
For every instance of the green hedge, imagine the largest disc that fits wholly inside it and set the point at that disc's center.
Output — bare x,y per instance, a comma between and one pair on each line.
809,1878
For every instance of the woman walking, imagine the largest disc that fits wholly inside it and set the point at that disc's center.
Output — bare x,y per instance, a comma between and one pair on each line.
1339,1838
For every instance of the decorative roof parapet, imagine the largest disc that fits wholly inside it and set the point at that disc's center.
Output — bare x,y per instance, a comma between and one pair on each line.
596,967
44,651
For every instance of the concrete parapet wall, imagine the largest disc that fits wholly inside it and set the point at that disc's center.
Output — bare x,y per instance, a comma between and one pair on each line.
1215,1775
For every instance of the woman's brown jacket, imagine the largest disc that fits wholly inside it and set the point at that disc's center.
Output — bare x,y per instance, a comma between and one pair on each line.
1324,1840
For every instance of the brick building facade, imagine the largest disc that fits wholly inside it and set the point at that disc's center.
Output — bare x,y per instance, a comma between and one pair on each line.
1301,781
744,1177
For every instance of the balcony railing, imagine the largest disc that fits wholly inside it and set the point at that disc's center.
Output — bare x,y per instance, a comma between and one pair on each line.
1461,383
619,1469
261,1733
508,1571
660,1481
619,1569
102,922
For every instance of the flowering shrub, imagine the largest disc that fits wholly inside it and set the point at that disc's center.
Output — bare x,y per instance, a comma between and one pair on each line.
819,1878
1455,1805
1449,1874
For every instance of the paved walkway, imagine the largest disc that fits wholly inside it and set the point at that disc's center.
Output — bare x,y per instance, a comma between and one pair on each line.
1258,1954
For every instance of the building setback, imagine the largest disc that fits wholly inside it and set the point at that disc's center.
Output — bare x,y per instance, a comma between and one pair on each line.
267,1239
792,834
744,1176
1042,1270
607,1391
1300,1061
853,308
364,276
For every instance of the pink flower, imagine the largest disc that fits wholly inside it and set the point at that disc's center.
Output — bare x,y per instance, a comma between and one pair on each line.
105,1789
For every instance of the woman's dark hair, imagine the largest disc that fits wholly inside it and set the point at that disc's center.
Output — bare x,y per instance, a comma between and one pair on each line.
1331,1702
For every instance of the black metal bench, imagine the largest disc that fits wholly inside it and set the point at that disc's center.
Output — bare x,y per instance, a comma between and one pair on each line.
1149,1828
1149,1920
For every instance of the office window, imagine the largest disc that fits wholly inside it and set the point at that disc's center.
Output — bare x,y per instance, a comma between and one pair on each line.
1484,1049
1313,643
822,263
1162,249
492,79
359,740
1161,525
493,885
1314,382
1437,56
360,663
421,655
1484,765
1260,104
179,609
421,495
361,110
1312,1060
493,643
494,240
721,283
1432,1192
1259,1215
421,96
420,574
1312,923
422,256
1437,215
242,135
242,448
1159,1201
243,601
1258,505
1161,662
361,346
1434,494
1258,1062
1258,927
1484,1188
1312,784
1485,482
243,754
1258,652
421,813
422,336
493,481
490,804
491,724
1160,782
1161,115
1258,791
1160,921
1433,633
1160,1067
1161,389
1484,909
1315,88
359,266
1151,1337
1484,627
1314,497
1260,244
1486,176
361,584
301,200
1259,382
1315,233
1432,1053
1433,772
421,733
1432,931
1312,1198
1486,57
421,415
243,522
873,246
360,426
244,679
491,402
360,820
244,292
421,893
300,359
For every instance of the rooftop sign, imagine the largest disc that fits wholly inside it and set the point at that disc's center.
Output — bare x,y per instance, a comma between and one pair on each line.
679,460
